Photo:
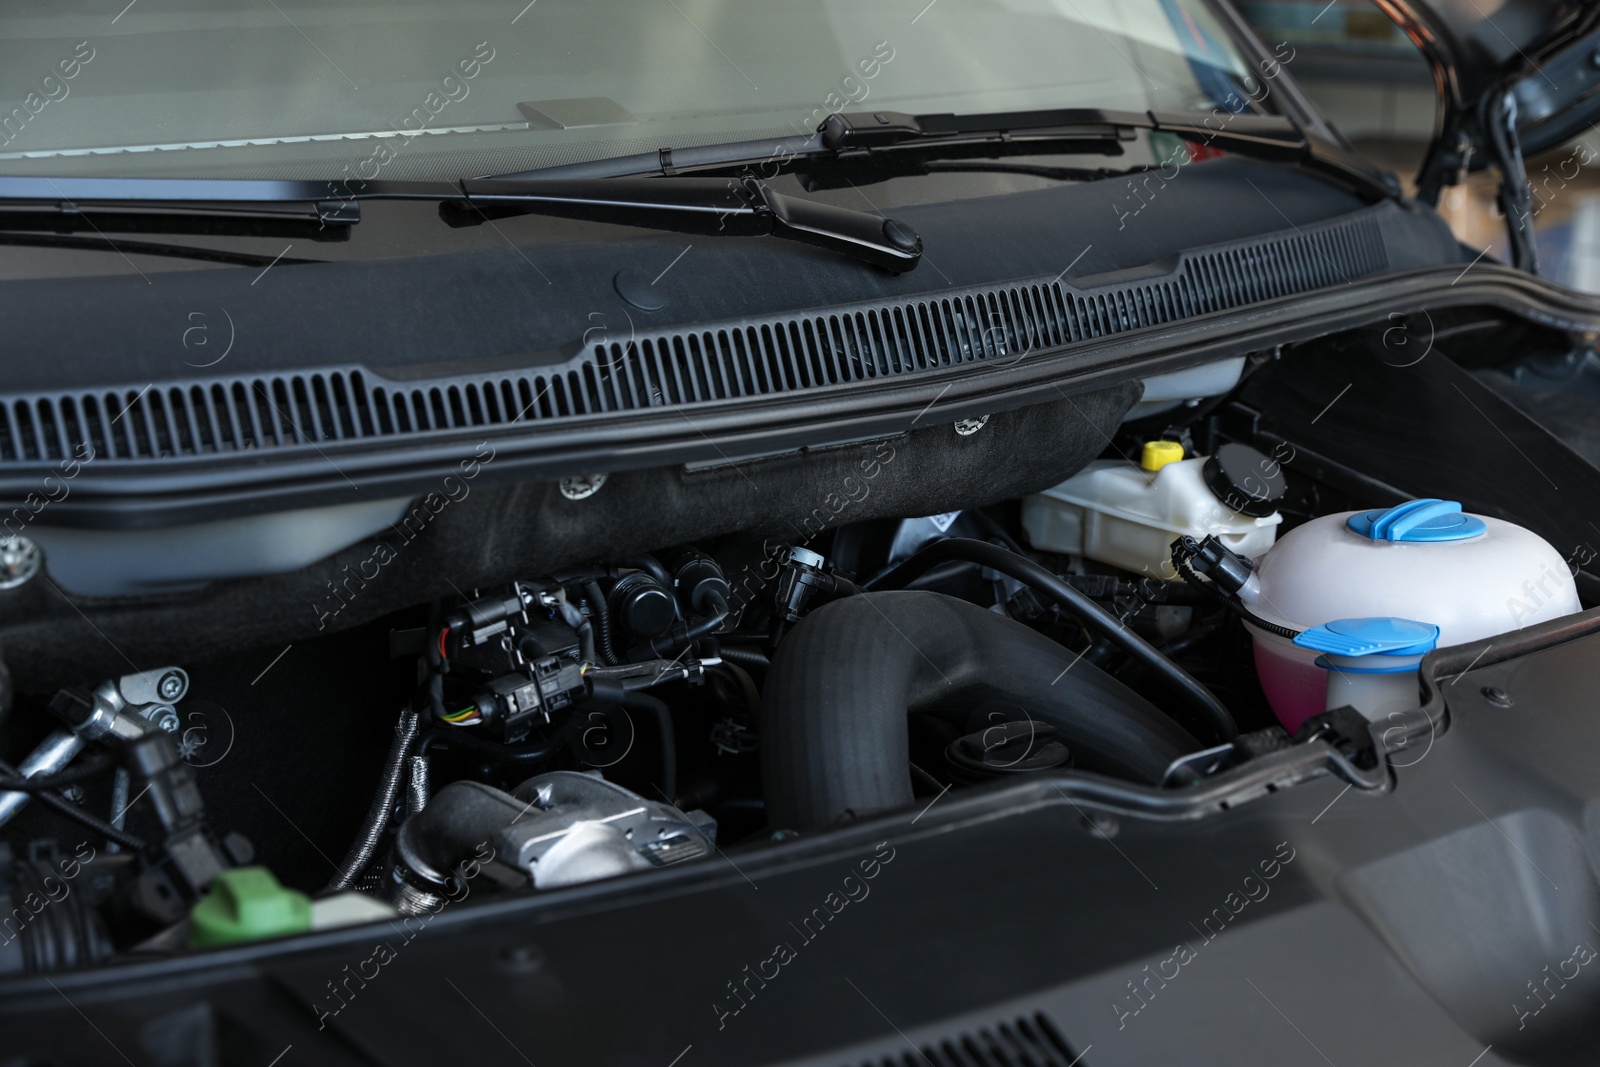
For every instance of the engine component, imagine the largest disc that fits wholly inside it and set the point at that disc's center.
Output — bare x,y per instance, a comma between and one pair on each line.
1017,746
1232,574
642,605
146,695
512,702
193,856
115,709
488,617
805,577
834,733
49,919
1426,560
1092,615
698,579
555,829
1116,513
59,748
247,904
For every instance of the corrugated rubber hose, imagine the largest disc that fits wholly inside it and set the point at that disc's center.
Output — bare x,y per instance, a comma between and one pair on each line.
834,734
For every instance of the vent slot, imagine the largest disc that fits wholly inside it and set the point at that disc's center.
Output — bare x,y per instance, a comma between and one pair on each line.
769,355
1030,1041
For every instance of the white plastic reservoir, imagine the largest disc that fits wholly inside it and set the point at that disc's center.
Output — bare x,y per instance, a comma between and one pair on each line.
1128,516
1426,560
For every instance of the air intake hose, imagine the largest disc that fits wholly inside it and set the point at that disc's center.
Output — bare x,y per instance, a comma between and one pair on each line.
834,735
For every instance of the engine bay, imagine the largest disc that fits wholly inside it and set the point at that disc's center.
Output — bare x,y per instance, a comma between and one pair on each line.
1202,611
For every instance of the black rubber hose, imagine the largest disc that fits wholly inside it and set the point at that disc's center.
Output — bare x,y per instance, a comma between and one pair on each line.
744,657
720,613
834,733
680,635
41,783
651,566
600,611
611,692
583,628
366,843
1092,615
67,809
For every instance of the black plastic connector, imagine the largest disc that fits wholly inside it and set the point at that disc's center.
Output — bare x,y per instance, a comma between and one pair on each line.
806,577
1227,570
513,701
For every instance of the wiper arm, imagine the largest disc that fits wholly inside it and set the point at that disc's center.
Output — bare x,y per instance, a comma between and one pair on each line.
713,206
717,207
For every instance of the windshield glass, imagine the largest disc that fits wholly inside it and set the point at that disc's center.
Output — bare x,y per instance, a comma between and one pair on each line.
339,90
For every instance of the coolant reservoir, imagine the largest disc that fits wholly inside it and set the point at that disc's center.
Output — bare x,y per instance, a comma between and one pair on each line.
1128,516
1426,560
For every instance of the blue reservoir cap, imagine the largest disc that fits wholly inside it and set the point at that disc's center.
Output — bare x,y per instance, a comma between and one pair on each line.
1417,520
1381,636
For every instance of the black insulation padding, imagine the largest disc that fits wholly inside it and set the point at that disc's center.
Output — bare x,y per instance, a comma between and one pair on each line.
496,533
834,732
1374,420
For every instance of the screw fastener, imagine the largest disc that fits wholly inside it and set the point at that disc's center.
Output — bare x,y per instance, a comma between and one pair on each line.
19,561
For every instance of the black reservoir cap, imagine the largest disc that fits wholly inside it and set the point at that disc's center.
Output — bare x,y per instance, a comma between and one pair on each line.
1245,480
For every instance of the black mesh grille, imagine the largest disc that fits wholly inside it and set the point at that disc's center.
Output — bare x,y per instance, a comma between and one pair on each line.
764,356
1031,1041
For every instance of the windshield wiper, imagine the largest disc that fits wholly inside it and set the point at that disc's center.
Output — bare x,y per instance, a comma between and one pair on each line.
717,207
860,148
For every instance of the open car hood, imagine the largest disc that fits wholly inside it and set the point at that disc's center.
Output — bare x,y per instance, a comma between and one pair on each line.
1539,51
1513,77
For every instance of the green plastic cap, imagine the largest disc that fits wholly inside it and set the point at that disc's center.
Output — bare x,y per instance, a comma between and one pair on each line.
247,904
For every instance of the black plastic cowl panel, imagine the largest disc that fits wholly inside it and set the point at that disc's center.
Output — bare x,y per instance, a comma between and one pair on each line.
769,355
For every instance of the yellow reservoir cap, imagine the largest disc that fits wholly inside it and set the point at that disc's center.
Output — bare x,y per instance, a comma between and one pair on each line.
1158,454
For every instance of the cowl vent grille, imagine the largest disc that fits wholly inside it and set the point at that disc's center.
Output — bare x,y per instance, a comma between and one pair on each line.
763,356
1031,1041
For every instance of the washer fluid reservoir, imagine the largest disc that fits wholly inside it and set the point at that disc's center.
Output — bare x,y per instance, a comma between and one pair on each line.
1423,562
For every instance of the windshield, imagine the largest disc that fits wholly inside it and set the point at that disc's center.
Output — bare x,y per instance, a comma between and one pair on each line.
288,89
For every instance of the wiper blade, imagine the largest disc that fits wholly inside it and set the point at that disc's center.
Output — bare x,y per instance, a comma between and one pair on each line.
175,206
716,207
1260,136
865,147
880,145
851,136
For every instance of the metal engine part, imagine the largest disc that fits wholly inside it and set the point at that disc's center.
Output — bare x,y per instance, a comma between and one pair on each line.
149,695
555,829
